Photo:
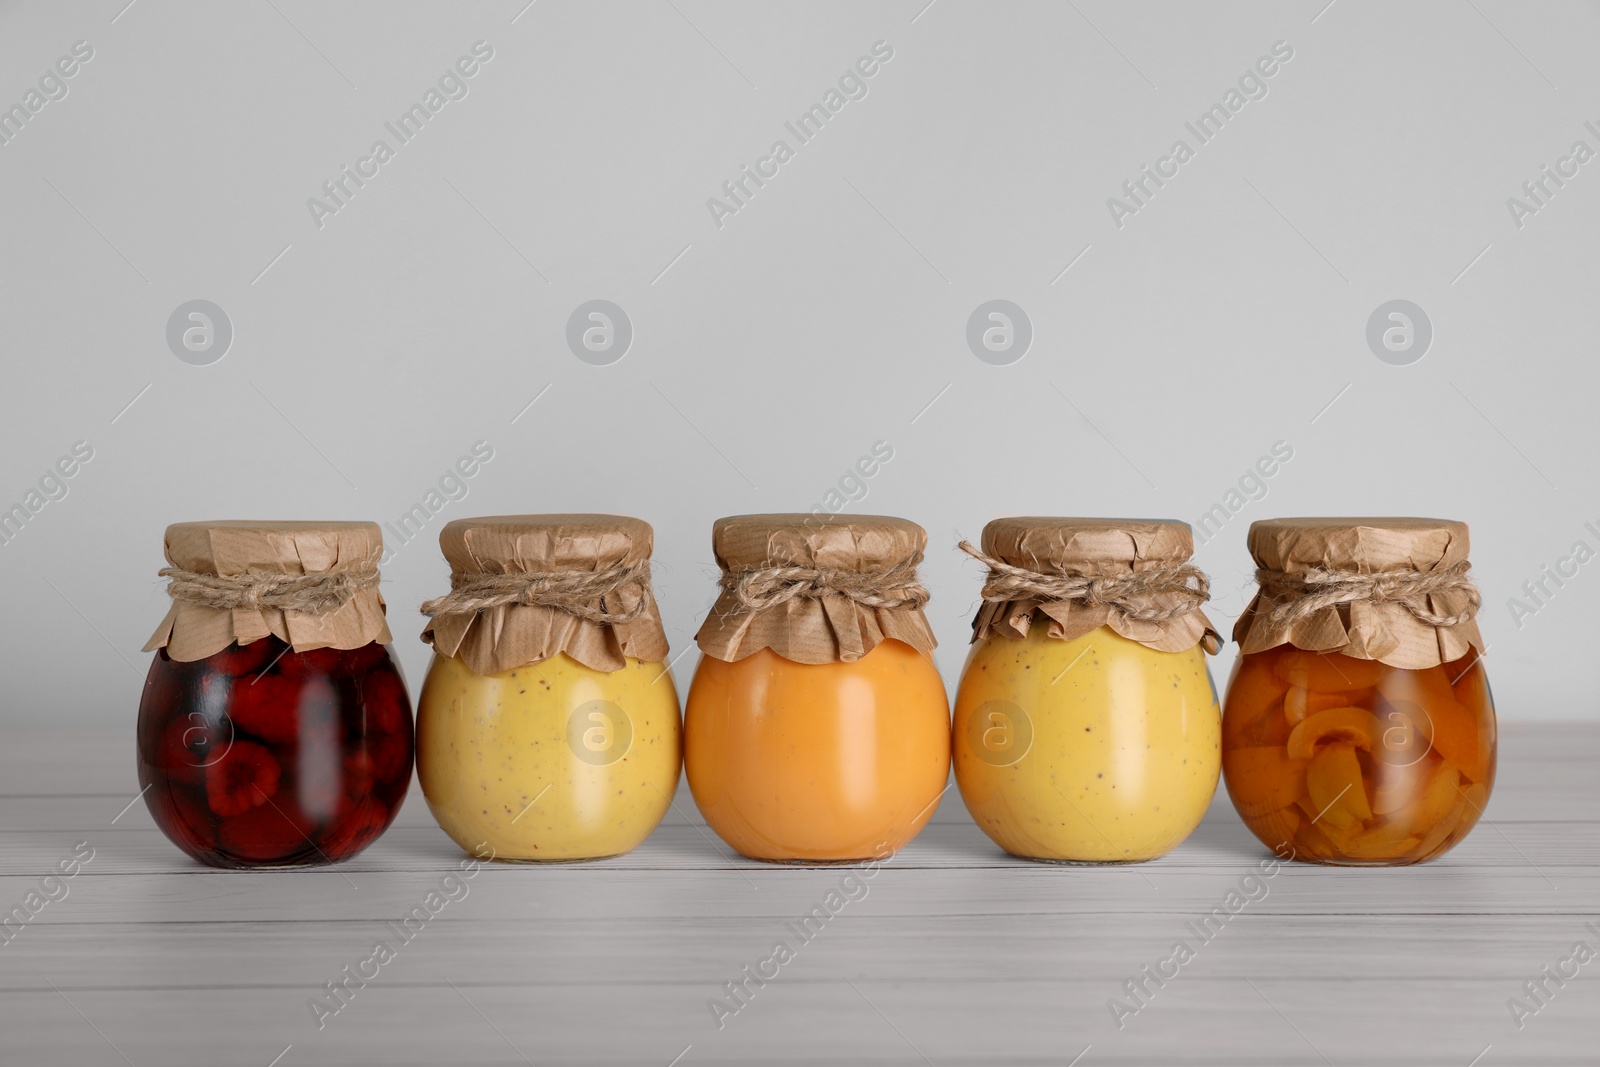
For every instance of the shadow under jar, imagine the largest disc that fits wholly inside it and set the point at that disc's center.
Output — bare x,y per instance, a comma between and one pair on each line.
548,727
274,729
1086,726
1359,728
817,728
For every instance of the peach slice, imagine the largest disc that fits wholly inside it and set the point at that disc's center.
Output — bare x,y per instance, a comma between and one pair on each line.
1298,702
1407,734
1252,712
1328,673
1262,779
1359,698
1310,841
1338,828
1355,725
1396,785
1439,794
1471,688
1386,832
1455,732
1333,781
1472,692
1383,842
1458,738
1277,828
1459,814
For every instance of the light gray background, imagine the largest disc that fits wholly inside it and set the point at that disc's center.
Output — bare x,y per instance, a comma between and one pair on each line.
830,313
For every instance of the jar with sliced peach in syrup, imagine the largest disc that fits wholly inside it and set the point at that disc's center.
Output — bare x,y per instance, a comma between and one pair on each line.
1358,727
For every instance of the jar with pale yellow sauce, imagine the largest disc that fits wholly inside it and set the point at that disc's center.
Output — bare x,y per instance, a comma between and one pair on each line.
548,727
1086,726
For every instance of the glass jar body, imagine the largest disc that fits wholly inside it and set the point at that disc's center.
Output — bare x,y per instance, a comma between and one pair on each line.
554,761
1338,760
831,762
1092,750
259,756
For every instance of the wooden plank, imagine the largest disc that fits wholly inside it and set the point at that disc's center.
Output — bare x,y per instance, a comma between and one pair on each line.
865,938
818,1014
1220,842
951,953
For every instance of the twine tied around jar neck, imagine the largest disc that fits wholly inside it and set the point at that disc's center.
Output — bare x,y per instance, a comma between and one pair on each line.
578,593
767,587
1183,584
306,594
1305,592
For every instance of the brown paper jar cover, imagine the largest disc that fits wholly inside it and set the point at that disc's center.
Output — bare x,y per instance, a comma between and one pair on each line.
1387,632
1093,547
232,548
516,635
827,629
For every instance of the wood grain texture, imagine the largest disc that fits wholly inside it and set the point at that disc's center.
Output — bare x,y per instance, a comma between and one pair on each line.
952,953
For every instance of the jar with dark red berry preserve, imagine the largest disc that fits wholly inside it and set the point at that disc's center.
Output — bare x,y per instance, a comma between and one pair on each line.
275,729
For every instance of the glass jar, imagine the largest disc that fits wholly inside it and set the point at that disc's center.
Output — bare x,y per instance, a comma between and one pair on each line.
274,750
262,756
1085,730
1378,748
548,726
817,728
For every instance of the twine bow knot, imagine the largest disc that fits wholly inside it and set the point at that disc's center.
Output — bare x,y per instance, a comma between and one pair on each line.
309,594
767,587
1159,594
1305,592
579,593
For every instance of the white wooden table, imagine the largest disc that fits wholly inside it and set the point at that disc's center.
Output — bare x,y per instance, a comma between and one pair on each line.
956,954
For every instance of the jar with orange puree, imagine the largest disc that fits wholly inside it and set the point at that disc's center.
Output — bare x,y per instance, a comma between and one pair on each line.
1086,726
817,728
1359,729
548,725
